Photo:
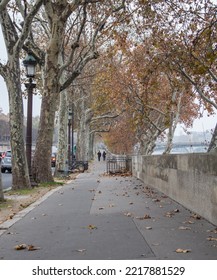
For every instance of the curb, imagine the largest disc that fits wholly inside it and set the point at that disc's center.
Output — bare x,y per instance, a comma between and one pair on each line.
7,224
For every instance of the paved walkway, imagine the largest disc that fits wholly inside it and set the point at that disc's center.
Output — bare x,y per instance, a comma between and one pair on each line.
104,217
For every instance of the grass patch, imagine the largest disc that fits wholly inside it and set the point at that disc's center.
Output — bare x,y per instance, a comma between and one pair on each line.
27,192
20,192
51,184
5,204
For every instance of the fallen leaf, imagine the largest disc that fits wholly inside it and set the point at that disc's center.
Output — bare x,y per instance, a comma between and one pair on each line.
128,214
32,248
91,227
189,222
156,200
184,228
146,216
213,231
148,228
183,251
111,205
20,247
81,250
11,216
212,238
168,214
196,216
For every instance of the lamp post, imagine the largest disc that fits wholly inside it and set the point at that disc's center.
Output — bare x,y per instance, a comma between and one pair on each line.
69,136
72,148
30,63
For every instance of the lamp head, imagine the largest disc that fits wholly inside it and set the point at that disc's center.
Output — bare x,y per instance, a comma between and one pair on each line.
30,63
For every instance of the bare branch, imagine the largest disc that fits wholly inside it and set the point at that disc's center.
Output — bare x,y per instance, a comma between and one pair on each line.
27,25
199,90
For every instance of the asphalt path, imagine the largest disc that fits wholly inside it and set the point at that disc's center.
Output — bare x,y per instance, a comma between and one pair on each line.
101,217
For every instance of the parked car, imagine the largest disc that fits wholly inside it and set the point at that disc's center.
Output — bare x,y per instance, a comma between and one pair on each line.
53,159
1,153
6,154
6,164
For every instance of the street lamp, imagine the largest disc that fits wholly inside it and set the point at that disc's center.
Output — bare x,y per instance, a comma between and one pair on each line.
30,64
69,136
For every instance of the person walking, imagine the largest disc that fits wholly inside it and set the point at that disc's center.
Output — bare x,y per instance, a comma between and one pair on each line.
104,155
99,155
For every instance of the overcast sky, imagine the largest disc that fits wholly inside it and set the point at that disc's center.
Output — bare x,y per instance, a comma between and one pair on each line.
203,124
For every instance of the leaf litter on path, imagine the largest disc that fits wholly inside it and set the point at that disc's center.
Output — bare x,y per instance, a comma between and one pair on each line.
25,246
179,250
81,250
184,228
91,227
211,238
146,216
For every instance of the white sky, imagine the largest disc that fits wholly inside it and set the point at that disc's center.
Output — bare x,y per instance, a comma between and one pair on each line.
203,124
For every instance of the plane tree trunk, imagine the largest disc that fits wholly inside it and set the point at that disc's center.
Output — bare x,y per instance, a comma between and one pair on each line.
11,74
20,178
62,134
41,170
213,143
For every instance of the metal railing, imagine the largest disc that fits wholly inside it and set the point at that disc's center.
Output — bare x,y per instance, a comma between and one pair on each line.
118,164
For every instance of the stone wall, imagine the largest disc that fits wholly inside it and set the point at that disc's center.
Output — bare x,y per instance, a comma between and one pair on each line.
190,179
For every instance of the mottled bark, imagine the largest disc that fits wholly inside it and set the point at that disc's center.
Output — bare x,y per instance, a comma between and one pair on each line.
41,170
82,149
147,138
62,134
174,119
213,143
91,146
84,115
14,42
20,178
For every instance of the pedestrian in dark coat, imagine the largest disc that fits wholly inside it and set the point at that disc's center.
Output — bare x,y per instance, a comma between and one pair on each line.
104,155
99,155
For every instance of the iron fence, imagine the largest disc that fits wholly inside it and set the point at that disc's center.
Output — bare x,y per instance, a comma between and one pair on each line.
118,164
